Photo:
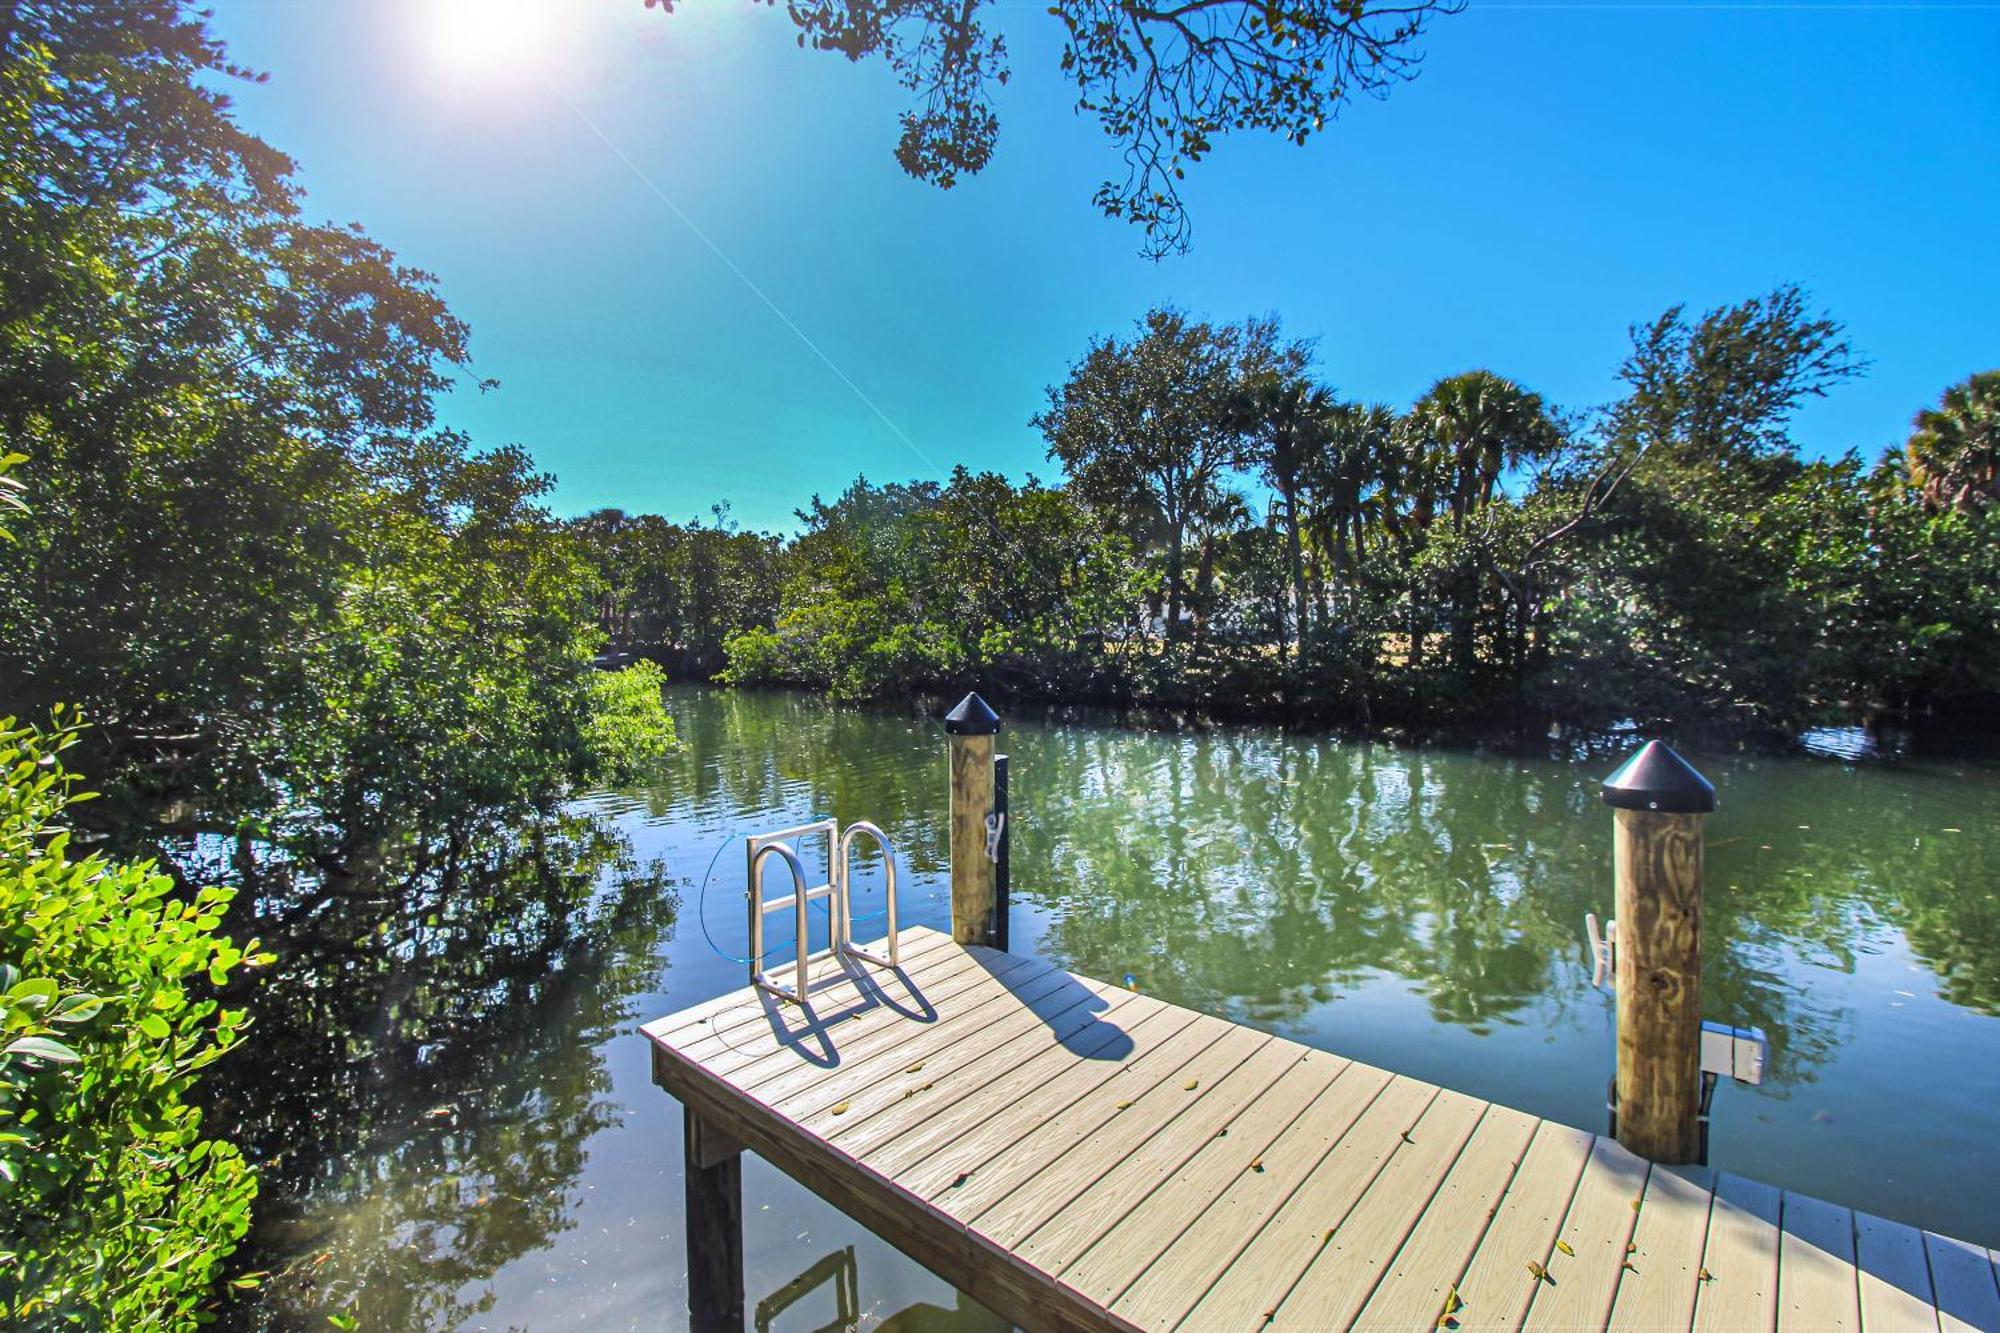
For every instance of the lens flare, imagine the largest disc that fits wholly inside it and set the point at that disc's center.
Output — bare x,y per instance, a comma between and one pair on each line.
490,39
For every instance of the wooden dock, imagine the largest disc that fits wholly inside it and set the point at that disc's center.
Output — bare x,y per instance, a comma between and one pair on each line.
1077,1156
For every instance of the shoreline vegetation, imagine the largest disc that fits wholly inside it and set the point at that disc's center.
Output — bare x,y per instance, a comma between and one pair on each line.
1232,539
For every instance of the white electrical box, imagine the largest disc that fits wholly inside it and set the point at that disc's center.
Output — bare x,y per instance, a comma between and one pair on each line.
1731,1052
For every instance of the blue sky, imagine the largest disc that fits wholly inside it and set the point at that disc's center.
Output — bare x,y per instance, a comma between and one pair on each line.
1557,171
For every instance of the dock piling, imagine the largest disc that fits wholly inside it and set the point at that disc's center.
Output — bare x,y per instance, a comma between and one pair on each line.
714,1221
972,726
1658,804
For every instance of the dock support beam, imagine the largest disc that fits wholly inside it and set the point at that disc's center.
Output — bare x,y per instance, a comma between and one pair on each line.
1658,804
714,1222
975,879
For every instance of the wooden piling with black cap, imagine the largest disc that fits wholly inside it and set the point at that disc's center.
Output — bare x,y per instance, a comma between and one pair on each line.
975,898
1658,804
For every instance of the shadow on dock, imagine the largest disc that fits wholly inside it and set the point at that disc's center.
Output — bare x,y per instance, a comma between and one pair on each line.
809,1031
1094,1039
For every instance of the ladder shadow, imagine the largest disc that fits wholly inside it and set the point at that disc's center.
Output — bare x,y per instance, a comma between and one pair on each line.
872,987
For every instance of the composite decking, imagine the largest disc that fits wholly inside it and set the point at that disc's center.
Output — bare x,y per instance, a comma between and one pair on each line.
1079,1156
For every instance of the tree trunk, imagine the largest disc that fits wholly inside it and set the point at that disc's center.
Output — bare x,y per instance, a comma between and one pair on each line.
1298,560
1204,583
1465,624
1342,567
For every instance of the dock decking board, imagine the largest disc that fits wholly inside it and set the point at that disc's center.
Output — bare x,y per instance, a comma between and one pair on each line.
1120,1254
1214,1233
1740,1256
1331,1290
1895,1277
1583,1279
1079,1156
1425,1272
1497,1285
1967,1297
1050,1223
1817,1284
966,1164
1657,1288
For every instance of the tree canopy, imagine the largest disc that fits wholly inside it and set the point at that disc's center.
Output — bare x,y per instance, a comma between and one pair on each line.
1480,559
262,598
286,600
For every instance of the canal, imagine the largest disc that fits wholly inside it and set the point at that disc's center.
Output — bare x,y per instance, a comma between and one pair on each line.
456,1117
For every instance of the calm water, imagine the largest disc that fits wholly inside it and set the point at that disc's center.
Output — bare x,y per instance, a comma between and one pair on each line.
463,1134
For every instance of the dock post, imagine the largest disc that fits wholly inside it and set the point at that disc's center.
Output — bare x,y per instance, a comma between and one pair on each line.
974,876
714,1221
1658,803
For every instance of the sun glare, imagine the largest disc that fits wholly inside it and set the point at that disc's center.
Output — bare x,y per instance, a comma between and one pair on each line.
489,39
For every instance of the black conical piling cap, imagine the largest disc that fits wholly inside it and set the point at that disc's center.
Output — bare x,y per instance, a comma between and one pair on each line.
1658,779
972,717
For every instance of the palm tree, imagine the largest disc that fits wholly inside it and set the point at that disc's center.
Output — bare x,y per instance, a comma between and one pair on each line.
1346,479
1474,426
1287,416
1222,512
1414,473
1953,455
1480,424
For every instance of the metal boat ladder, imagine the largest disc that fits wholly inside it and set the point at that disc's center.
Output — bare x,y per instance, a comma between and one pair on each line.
758,848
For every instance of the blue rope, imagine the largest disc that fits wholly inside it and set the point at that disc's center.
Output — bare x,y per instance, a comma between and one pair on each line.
701,903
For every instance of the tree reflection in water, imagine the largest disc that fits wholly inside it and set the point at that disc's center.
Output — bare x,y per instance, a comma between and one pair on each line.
425,1071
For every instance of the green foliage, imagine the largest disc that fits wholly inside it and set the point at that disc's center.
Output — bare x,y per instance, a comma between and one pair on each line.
298,614
627,727
10,491
1481,560
1953,457
1151,430
900,588
675,592
290,605
118,1213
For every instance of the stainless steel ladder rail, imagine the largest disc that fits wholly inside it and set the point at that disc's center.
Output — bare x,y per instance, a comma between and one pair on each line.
840,854
844,878
756,848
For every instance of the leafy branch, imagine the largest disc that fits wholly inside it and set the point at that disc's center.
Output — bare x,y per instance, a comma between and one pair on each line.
1163,81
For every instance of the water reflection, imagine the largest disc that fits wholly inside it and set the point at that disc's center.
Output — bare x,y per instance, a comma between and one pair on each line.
459,1130
1423,909
426,1069
840,1274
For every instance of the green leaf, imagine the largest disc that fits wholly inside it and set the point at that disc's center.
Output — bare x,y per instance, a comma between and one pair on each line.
77,1009
34,993
42,1048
